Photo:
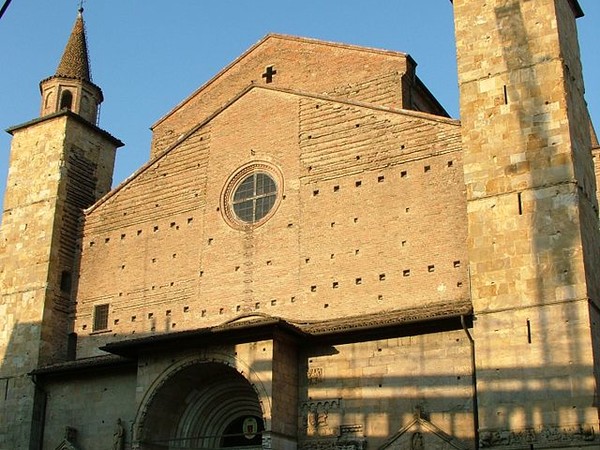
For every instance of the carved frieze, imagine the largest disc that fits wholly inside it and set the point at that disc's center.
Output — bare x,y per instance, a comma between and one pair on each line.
317,418
351,437
548,436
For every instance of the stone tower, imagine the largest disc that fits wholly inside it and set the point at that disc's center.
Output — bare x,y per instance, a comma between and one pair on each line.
532,218
60,163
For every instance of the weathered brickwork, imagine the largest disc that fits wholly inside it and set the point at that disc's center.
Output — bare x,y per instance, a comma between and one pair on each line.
375,77
381,191
314,258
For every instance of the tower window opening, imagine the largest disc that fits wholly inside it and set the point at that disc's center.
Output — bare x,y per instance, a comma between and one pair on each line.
65,281
66,100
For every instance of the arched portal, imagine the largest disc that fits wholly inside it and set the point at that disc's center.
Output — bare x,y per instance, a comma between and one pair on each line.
207,405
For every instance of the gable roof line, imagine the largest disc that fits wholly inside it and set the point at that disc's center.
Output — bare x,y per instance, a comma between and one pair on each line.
209,118
258,44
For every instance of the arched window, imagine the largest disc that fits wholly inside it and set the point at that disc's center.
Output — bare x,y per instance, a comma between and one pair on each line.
66,100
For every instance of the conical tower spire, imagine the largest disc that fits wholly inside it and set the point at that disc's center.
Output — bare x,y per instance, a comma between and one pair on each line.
71,87
75,60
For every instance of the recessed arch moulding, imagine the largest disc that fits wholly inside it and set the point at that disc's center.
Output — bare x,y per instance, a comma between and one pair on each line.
195,395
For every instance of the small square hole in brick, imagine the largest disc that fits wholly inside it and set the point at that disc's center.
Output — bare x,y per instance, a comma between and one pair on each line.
313,288
403,174
450,163
382,277
315,192
431,268
456,264
380,179
358,183
406,272
335,285
273,302
168,312
426,168
257,305
150,315
186,309
358,281
133,318
336,188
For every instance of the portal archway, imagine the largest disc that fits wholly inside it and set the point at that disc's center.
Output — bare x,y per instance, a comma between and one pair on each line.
207,405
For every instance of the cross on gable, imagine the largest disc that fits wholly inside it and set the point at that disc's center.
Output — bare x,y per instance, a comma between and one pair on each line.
268,75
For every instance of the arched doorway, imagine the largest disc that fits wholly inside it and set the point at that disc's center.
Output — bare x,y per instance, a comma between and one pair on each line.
207,405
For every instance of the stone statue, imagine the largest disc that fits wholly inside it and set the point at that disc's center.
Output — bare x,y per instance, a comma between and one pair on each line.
119,436
416,441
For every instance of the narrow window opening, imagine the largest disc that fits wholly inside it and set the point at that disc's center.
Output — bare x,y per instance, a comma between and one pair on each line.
520,201
71,346
505,91
528,331
100,317
65,281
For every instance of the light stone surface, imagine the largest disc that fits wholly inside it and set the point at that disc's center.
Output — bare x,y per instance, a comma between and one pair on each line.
335,323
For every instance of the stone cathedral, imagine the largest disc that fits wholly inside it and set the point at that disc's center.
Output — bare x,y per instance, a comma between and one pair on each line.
356,272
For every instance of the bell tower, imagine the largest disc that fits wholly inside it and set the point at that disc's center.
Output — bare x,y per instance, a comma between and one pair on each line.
71,86
532,222
60,163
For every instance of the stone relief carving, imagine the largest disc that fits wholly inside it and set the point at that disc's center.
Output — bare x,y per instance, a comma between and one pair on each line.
315,375
422,434
315,417
548,435
350,437
68,442
119,436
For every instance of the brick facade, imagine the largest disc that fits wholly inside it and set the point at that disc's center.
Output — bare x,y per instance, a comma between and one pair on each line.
414,281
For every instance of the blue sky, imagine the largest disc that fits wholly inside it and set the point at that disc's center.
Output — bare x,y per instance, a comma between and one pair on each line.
149,55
